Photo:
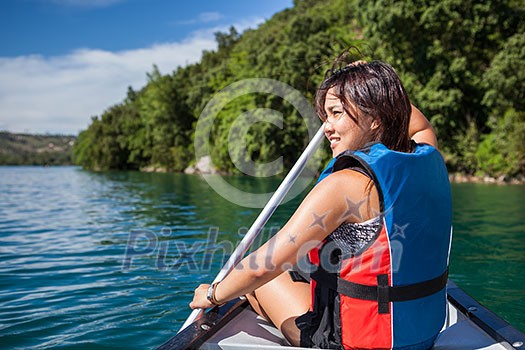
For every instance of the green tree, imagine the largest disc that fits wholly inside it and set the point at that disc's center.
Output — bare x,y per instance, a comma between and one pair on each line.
502,151
442,50
166,120
461,62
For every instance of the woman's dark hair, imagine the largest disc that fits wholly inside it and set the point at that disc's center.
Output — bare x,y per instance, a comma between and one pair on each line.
375,89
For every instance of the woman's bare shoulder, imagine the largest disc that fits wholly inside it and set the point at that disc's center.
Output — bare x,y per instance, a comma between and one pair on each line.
346,178
351,192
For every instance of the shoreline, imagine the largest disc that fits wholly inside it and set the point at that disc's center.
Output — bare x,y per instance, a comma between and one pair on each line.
501,180
453,177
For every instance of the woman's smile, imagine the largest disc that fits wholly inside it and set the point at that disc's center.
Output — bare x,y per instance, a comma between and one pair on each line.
343,129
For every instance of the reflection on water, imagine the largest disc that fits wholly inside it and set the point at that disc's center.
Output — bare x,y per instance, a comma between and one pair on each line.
487,257
64,232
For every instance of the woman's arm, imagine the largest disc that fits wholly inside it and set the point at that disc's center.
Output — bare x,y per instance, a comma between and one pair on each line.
420,129
340,197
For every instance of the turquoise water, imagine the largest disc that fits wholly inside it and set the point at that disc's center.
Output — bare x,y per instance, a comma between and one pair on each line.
67,282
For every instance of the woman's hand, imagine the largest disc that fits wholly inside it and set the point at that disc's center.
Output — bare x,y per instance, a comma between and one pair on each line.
199,298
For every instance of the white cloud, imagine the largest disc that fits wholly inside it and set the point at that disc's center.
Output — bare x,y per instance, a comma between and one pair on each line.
204,17
59,94
86,3
210,16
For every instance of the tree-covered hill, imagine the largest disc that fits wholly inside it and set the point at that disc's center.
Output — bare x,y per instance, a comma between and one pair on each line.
26,149
461,62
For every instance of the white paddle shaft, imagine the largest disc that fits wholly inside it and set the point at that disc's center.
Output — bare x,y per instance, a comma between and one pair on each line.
264,216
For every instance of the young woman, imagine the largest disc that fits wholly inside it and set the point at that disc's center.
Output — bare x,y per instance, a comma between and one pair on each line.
376,230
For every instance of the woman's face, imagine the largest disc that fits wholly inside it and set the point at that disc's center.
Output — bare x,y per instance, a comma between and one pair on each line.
341,128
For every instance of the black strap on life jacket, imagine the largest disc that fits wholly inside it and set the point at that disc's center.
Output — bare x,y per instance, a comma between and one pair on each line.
382,293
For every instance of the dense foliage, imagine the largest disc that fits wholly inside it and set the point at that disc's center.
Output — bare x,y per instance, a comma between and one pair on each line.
461,62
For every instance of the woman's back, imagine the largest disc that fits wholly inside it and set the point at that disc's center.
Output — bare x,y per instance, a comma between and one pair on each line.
380,296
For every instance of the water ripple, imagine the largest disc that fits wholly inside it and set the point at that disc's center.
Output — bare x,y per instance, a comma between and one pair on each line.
63,238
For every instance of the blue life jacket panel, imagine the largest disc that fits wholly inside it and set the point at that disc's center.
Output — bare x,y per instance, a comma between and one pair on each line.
391,293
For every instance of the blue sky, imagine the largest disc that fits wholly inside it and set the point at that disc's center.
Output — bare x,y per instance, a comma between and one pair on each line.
63,61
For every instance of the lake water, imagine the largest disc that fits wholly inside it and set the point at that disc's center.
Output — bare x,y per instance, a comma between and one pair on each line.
108,260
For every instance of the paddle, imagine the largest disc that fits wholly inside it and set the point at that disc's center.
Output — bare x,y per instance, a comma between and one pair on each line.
264,216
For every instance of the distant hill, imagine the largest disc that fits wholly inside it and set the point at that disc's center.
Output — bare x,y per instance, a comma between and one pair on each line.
26,149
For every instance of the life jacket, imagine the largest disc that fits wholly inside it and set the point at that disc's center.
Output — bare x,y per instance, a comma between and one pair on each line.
391,293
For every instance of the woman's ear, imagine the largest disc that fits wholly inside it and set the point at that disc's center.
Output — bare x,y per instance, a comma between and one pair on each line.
374,125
